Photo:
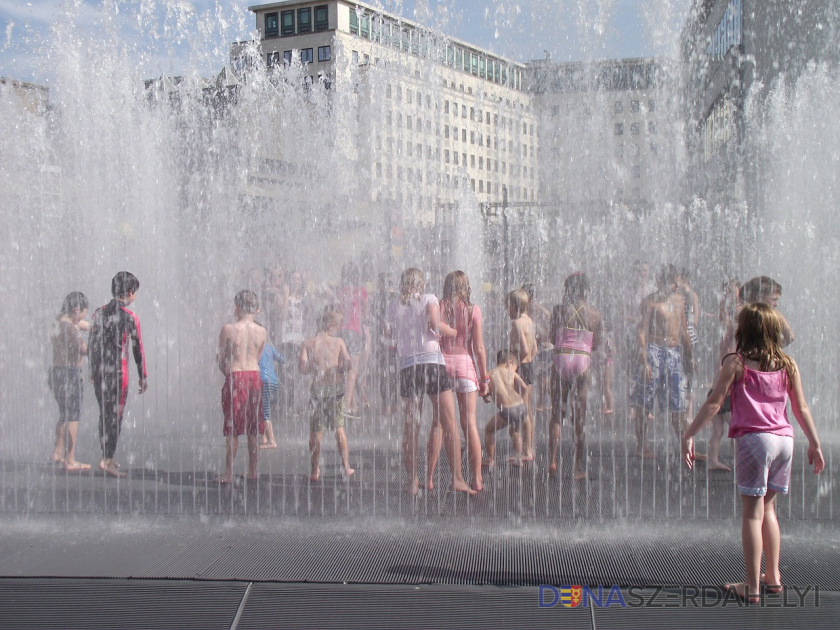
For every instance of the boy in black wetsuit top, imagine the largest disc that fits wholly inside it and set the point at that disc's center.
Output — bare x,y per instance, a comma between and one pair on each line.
113,329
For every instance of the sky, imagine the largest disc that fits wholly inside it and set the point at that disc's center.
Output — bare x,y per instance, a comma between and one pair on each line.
173,36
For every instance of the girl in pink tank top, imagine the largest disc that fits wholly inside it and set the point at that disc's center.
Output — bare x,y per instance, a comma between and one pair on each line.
761,378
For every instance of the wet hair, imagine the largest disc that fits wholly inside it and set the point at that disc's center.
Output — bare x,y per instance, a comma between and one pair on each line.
667,276
518,299
456,289
330,316
685,274
759,287
74,300
530,288
575,288
759,337
411,282
124,283
247,301
505,356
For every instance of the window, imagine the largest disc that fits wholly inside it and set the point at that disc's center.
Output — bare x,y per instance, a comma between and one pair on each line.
324,55
287,23
653,149
634,107
306,55
651,127
463,111
304,17
636,171
619,129
354,22
321,18
364,26
272,26
455,133
287,56
618,107
408,122
446,156
472,137
634,128
651,106
463,135
272,59
446,131
354,56
446,108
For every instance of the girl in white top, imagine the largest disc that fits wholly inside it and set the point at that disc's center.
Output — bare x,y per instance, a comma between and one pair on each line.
414,320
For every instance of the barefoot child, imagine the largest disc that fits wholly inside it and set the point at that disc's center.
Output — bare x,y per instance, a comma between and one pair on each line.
762,379
325,357
65,378
240,347
270,384
506,389
414,319
523,344
113,328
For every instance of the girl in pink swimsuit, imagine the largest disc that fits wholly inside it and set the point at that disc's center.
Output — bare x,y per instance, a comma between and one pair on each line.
576,329
761,378
462,354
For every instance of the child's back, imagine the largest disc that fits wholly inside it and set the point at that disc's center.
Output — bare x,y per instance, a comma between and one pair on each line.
503,387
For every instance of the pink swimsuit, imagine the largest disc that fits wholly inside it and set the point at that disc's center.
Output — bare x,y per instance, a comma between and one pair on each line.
572,350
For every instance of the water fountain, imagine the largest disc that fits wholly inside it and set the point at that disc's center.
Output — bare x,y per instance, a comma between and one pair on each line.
188,183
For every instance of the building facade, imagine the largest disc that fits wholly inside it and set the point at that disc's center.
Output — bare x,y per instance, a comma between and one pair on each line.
734,53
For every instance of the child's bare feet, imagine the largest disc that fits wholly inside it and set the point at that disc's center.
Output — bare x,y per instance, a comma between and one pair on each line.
528,457
57,457
413,487
552,470
773,589
315,475
580,476
478,486
430,484
112,470
74,466
718,466
461,486
700,457
488,464
741,591
224,479
349,471
268,445
515,461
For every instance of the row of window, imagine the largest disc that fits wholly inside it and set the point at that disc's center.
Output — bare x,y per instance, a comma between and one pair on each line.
304,56
410,175
454,157
293,22
383,31
728,31
635,128
635,106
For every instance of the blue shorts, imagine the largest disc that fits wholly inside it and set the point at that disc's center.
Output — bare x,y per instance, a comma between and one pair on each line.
667,381
269,399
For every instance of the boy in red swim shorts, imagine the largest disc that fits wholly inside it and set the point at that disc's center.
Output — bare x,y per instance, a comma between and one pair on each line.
240,347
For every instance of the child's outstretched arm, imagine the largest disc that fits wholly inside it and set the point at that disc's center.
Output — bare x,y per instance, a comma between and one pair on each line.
710,408
803,416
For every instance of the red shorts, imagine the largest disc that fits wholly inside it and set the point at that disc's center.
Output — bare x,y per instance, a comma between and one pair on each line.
242,403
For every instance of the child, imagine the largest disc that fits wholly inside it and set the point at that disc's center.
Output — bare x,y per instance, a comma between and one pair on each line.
240,347
414,320
576,330
506,389
523,344
112,329
762,379
463,353
65,378
270,384
325,357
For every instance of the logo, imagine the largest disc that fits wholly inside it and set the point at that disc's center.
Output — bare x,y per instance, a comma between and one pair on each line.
570,596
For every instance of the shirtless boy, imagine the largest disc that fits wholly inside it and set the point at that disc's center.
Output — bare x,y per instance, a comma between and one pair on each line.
238,355
523,345
325,357
505,389
660,370
65,379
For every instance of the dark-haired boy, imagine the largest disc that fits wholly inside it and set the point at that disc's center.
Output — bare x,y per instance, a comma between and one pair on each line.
240,346
507,390
113,328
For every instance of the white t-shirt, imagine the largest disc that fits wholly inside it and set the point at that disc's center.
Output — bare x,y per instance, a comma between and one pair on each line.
416,342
